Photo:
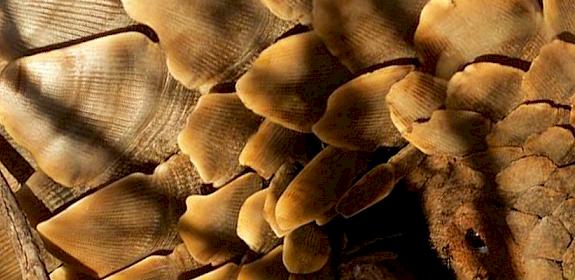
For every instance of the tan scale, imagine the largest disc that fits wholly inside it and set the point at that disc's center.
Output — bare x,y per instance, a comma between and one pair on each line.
556,143
306,249
209,42
300,10
451,34
543,82
105,231
88,111
414,98
450,133
506,211
213,141
157,267
318,187
209,226
559,15
273,145
487,88
369,32
31,24
524,121
357,116
278,185
252,228
379,182
291,80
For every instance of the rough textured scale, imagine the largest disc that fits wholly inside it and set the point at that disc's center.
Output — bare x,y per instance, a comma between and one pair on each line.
318,187
451,33
524,121
450,132
487,88
551,77
357,116
559,15
32,24
209,42
414,98
367,32
278,185
306,249
300,10
159,267
290,81
507,212
252,227
122,222
273,145
378,183
215,134
90,111
209,226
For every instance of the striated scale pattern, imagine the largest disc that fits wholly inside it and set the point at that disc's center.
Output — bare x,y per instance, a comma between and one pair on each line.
490,139
209,42
505,210
9,266
369,32
300,10
87,115
122,222
32,24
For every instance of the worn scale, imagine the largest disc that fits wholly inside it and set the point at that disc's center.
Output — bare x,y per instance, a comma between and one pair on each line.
218,139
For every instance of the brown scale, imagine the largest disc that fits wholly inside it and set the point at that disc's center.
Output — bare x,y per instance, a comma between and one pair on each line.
504,212
490,147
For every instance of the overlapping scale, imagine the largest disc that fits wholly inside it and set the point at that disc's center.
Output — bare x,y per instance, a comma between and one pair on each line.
290,81
318,187
32,24
209,42
487,88
559,15
551,77
378,183
539,200
278,185
209,226
53,195
120,223
524,173
215,134
90,111
306,249
450,133
158,267
453,33
517,222
9,266
357,116
494,159
524,121
300,10
273,145
369,32
556,143
414,98
252,228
